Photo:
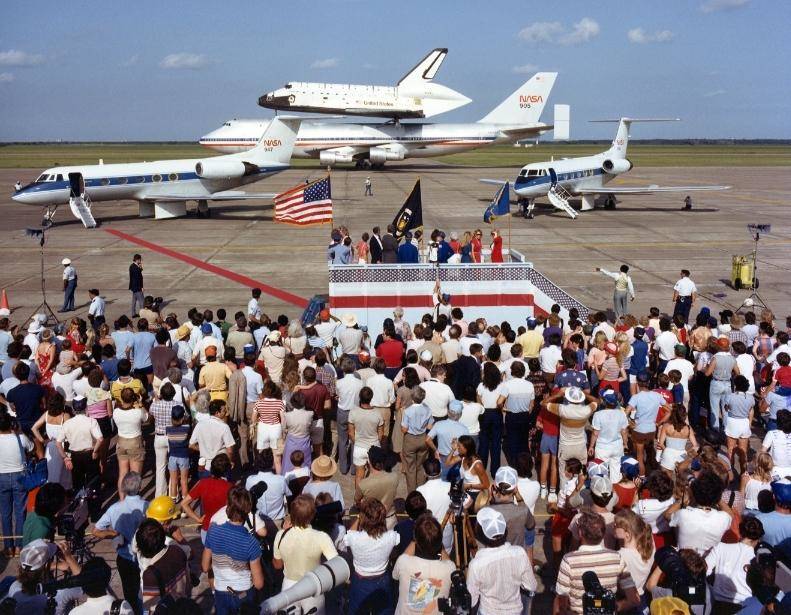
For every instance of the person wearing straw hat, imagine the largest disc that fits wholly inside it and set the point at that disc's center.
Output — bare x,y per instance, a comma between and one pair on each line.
69,285
322,470
350,337
499,578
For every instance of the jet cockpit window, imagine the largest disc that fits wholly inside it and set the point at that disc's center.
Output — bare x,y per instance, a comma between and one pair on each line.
288,86
532,173
60,177
41,178
523,172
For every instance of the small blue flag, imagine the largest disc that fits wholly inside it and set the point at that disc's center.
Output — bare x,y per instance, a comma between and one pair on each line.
500,206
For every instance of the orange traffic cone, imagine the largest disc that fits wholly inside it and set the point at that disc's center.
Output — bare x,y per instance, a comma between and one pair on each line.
4,301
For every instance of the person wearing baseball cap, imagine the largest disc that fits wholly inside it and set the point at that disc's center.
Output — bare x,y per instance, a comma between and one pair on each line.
574,406
34,568
446,433
500,578
506,500
777,524
69,285
610,434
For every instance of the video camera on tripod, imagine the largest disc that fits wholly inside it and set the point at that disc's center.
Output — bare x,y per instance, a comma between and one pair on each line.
457,496
597,600
72,522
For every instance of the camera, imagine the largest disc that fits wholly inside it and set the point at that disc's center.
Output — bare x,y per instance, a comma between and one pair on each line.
72,523
457,496
684,584
459,601
596,600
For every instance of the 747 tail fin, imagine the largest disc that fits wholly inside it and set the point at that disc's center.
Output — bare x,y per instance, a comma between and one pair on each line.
526,104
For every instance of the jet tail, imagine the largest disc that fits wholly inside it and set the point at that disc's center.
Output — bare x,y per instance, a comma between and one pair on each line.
621,140
426,69
525,105
277,142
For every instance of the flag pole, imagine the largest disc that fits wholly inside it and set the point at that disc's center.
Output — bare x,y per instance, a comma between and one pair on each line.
509,229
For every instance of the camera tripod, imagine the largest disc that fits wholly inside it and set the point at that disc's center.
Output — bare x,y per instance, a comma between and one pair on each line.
463,536
44,306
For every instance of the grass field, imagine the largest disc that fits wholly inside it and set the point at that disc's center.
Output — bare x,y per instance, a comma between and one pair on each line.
40,156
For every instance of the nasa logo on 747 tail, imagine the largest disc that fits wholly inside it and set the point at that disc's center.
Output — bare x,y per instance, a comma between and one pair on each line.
272,142
526,100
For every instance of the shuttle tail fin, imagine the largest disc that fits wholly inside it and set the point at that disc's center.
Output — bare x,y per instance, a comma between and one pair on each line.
621,140
525,105
277,142
426,69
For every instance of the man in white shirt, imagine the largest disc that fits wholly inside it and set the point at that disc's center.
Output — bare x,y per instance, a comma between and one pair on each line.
702,526
665,343
32,340
624,289
348,389
212,437
516,400
686,368
273,501
253,309
436,492
729,563
96,309
384,394
208,339
326,327
69,285
684,295
438,394
604,326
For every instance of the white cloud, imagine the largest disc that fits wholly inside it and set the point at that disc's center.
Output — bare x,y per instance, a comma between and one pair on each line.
583,31
556,33
524,69
641,37
325,63
714,93
131,61
14,57
178,61
6,77
712,6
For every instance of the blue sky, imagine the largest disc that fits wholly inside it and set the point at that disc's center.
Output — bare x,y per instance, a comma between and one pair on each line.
149,70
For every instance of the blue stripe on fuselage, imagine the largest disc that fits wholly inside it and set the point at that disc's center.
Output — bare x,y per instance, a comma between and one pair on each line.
130,180
529,182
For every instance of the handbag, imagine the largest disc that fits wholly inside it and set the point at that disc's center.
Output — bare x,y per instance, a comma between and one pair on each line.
34,473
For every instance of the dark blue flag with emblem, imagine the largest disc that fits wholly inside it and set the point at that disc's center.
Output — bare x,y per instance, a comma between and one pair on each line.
500,206
411,213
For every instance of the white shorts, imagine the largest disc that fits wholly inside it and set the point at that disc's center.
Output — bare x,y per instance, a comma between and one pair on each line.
359,456
632,378
737,428
268,436
669,457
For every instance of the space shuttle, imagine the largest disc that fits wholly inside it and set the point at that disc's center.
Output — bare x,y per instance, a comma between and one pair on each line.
414,96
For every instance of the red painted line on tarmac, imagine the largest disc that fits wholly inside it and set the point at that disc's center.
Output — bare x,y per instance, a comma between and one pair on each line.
225,273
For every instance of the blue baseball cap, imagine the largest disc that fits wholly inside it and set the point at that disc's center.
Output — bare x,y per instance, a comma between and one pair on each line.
455,406
609,396
206,328
782,491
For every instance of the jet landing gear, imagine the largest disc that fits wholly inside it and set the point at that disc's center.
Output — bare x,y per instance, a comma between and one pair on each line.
527,205
49,216
609,202
203,209
366,164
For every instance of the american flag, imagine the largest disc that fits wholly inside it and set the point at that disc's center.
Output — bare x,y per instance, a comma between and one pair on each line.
305,204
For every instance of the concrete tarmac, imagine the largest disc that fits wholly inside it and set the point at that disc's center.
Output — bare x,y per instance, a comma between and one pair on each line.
649,233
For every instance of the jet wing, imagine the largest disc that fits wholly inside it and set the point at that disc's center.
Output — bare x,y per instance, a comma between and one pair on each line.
226,195
494,182
649,189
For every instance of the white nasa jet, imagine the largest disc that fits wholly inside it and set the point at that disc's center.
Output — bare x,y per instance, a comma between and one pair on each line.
414,96
162,188
586,176
514,119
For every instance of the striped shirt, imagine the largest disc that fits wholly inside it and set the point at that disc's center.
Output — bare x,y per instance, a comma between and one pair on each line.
232,550
608,565
269,409
161,410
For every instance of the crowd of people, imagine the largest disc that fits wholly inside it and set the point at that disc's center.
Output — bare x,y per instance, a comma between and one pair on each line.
440,248
660,448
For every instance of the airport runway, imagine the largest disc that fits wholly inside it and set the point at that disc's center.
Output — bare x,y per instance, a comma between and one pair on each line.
208,262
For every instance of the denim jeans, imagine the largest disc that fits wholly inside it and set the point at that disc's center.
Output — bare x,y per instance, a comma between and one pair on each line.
717,392
12,507
226,603
490,439
370,595
342,425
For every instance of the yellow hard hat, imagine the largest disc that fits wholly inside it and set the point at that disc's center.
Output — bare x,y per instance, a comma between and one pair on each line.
162,508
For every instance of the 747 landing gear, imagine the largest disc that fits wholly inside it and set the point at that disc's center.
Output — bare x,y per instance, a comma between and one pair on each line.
609,202
49,216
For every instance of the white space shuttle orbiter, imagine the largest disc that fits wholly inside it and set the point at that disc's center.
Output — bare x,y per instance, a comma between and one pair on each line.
415,96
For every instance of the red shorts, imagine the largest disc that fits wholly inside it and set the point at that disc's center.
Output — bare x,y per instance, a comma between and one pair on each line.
561,523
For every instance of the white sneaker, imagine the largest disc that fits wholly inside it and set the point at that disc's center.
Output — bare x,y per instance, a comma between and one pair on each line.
552,498
543,493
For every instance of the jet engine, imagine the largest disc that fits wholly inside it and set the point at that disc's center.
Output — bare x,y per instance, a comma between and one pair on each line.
379,155
223,169
620,165
329,157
